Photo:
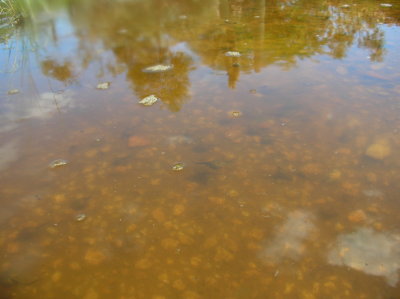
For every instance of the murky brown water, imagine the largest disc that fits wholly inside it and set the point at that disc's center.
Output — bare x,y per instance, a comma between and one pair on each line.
284,117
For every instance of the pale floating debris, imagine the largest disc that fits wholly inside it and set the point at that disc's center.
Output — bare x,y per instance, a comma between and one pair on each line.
104,85
58,163
233,54
13,91
345,6
182,17
122,31
80,217
149,100
386,5
257,17
371,252
158,68
178,166
236,114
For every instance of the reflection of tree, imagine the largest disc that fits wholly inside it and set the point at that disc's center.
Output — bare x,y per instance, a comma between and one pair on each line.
282,32
374,41
266,32
171,86
140,44
61,72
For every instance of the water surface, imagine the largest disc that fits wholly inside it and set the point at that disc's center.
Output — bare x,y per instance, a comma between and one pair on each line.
268,167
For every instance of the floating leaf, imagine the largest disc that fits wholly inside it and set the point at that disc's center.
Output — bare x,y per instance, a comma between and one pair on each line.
13,91
104,85
58,163
80,217
149,100
233,54
178,166
158,68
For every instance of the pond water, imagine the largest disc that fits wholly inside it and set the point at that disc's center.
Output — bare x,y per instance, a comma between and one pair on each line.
201,149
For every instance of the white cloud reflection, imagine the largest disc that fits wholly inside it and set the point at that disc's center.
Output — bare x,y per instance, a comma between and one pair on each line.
44,106
289,239
368,251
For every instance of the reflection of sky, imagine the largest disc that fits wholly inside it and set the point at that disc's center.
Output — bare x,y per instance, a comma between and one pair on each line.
40,107
370,252
289,239
8,154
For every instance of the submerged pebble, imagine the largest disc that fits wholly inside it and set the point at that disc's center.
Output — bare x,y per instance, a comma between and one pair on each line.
179,139
378,150
58,163
138,141
372,193
158,68
149,100
104,85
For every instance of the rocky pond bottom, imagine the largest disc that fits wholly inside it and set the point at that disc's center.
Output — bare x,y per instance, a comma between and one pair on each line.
225,149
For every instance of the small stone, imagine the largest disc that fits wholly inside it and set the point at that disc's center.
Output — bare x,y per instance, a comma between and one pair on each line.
56,276
335,175
386,5
379,150
182,17
345,6
179,209
104,85
178,166
58,163
94,256
233,54
158,68
138,141
13,91
159,215
149,100
357,216
80,217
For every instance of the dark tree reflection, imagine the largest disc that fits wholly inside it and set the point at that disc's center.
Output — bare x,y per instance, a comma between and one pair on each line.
265,32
